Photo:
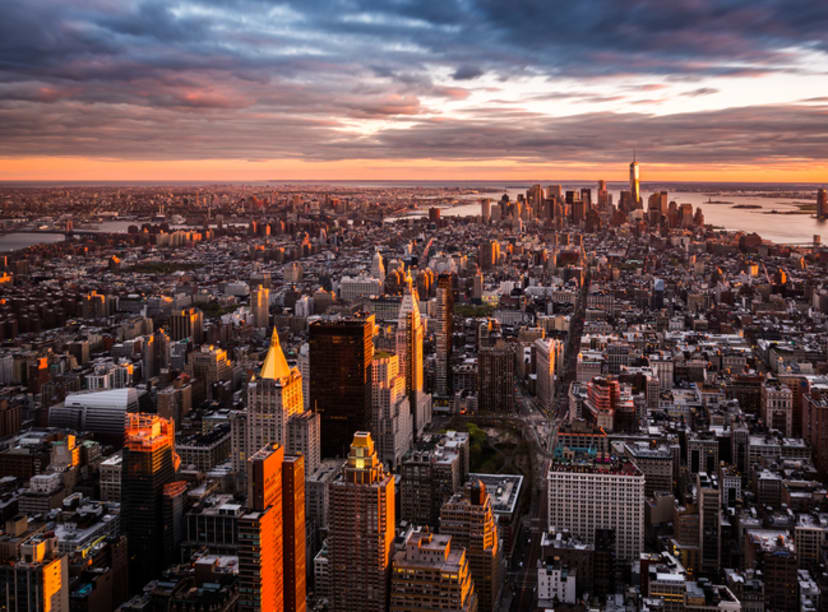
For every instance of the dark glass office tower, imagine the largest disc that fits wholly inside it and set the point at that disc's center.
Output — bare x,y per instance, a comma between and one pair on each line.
341,352
149,463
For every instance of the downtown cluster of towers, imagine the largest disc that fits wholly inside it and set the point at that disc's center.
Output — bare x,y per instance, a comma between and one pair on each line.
367,405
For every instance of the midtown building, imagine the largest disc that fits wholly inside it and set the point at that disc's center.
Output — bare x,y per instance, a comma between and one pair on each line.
293,530
391,422
588,492
469,519
341,353
431,575
430,474
261,542
444,334
361,531
37,580
496,379
275,413
149,463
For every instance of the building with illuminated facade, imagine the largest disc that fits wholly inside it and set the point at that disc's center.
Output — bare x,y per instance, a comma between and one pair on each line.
260,547
361,531
149,463
429,574
293,533
469,519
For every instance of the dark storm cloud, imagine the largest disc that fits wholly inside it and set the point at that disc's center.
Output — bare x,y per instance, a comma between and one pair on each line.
254,79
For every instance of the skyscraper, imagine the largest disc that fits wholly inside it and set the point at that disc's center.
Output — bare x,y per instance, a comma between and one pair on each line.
272,399
293,530
635,188
341,352
361,531
409,347
469,520
275,413
822,204
409,339
149,462
710,526
391,421
444,332
496,378
260,549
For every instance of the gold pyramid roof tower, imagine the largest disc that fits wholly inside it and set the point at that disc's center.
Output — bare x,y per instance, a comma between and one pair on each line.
275,365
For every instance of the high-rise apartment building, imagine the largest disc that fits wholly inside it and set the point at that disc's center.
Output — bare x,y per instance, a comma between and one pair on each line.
588,492
36,581
361,531
444,334
430,474
430,574
496,378
149,463
341,353
260,548
469,519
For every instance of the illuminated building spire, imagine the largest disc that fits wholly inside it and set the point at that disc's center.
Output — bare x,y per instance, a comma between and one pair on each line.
275,365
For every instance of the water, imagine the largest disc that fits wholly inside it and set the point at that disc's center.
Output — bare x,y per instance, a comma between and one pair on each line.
21,240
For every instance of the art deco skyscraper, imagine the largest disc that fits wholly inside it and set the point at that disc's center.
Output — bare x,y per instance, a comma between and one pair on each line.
409,347
272,399
361,531
445,309
410,339
469,520
261,571
149,462
341,352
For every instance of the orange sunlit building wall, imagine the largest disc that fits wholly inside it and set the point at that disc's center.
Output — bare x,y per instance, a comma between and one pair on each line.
293,529
261,572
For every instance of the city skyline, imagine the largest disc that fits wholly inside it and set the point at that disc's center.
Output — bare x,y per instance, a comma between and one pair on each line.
365,90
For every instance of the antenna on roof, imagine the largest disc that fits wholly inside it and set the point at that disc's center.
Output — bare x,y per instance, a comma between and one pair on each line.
634,154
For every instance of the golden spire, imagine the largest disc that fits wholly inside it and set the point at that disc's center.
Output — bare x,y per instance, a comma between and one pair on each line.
275,365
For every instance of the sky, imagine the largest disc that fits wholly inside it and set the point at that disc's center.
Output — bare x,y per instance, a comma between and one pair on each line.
413,89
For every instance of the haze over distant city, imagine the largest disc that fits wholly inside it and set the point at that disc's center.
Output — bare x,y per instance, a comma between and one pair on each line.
450,89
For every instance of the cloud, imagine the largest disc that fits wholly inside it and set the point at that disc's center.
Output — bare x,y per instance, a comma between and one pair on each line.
702,91
464,73
139,79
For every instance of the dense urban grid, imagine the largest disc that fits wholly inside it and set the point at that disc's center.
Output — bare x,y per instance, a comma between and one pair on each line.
273,397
